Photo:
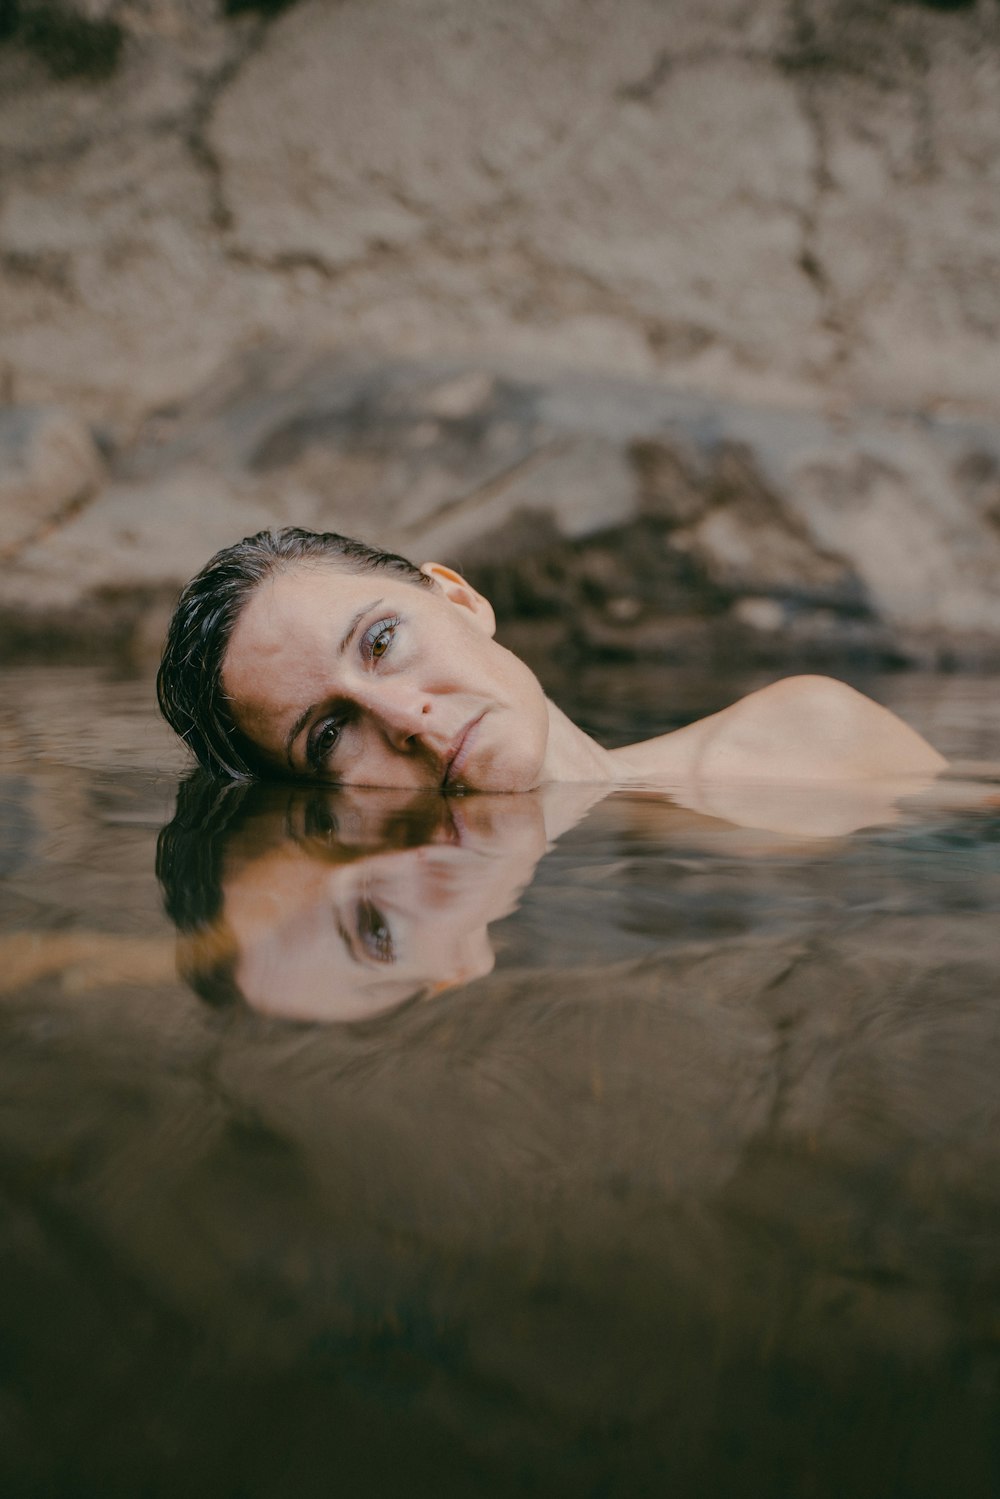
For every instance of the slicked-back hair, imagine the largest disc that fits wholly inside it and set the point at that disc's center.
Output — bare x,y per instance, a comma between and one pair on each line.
214,820
189,681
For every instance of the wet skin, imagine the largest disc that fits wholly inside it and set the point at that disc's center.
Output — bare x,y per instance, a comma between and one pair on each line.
370,679
339,904
323,934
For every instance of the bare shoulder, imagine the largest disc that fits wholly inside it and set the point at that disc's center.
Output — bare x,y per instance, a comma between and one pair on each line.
800,728
813,728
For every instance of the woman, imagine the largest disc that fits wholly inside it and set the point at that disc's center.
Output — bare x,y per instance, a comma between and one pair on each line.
304,654
319,903
323,903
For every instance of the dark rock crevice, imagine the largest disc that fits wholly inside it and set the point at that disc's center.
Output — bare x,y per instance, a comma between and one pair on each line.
70,43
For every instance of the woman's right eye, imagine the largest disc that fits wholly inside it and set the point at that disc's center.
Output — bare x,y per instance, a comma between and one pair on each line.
320,823
375,932
322,744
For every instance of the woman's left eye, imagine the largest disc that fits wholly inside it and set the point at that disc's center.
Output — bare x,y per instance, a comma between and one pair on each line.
375,933
320,822
378,639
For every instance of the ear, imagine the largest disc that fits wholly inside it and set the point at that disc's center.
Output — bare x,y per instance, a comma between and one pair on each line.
462,594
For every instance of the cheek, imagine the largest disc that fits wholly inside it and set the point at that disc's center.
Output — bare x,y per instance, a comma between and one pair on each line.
442,946
523,754
373,763
258,722
515,764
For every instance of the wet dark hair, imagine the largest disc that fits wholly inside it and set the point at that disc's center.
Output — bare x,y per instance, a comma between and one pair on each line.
190,865
189,861
189,681
209,816
190,847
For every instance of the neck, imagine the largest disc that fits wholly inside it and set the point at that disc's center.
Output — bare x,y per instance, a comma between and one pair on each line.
571,755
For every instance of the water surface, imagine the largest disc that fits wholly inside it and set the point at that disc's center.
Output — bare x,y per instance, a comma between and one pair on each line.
664,1161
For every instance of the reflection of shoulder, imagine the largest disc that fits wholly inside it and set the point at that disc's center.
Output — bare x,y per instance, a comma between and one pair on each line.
811,728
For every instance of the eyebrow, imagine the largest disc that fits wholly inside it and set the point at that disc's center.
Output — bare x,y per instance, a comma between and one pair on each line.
352,627
296,730
306,714
348,942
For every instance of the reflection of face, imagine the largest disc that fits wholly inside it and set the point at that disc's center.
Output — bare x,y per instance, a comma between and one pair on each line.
368,679
320,939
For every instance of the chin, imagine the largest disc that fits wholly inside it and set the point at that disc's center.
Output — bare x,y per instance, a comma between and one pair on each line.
511,754
507,777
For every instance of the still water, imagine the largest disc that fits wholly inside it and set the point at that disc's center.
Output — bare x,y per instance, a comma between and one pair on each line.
502,1146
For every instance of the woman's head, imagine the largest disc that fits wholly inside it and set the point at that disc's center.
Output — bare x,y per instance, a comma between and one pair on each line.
306,654
189,683
313,903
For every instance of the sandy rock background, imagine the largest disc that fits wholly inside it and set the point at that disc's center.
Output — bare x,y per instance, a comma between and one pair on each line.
675,324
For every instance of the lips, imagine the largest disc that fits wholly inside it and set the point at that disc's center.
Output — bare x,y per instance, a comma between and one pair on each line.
460,752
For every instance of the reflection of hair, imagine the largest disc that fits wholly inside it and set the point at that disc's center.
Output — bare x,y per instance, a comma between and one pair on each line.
212,816
189,850
189,682
189,864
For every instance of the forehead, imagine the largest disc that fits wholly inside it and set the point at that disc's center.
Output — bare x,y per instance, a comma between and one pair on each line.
292,959
308,595
287,631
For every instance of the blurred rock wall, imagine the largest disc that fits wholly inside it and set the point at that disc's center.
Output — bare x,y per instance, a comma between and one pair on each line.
784,207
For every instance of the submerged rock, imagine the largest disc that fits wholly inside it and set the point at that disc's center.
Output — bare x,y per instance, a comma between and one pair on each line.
49,465
769,201
636,520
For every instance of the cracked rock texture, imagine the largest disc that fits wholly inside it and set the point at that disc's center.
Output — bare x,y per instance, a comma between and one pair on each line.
620,516
49,465
784,213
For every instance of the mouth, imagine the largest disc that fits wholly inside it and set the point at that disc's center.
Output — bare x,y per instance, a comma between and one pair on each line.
459,753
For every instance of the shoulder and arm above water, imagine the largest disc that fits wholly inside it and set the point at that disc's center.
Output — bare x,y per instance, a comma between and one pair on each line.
807,756
297,668
804,728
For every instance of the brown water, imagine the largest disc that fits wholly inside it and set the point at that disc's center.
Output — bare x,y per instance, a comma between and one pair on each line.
663,1162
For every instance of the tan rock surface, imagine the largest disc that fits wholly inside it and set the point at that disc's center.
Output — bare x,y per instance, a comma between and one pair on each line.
788,212
762,201
638,519
49,464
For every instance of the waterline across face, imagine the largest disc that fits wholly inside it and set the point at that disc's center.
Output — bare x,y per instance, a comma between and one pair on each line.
318,940
343,904
368,679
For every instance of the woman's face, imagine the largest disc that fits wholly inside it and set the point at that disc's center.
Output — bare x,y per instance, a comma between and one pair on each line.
324,935
320,941
367,679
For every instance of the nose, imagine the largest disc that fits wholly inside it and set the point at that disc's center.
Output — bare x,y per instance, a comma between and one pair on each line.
402,714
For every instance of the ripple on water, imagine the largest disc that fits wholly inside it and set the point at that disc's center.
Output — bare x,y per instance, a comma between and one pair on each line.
676,1169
